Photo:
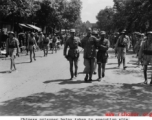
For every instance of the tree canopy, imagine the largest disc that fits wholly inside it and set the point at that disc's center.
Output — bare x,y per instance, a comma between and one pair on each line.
132,15
54,14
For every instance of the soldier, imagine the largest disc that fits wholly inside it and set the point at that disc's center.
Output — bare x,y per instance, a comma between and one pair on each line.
146,51
121,49
32,46
73,54
102,54
89,45
54,43
12,48
41,38
46,45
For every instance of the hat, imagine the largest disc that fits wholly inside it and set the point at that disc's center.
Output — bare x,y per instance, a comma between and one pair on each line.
32,33
72,30
11,32
89,29
102,32
123,32
117,33
150,32
142,34
95,32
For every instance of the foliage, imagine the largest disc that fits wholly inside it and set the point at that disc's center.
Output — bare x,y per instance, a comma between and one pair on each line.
133,15
55,14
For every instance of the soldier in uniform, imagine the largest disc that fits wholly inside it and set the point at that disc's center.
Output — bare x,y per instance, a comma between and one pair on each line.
12,48
146,51
121,46
73,54
89,43
102,54
32,46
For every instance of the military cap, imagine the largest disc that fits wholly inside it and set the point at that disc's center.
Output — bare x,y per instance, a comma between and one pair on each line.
11,32
149,32
95,32
102,32
72,30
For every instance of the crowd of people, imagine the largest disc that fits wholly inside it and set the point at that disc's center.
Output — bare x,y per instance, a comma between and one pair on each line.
30,42
95,45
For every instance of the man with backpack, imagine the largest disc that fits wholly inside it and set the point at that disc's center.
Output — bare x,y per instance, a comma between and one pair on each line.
121,46
145,53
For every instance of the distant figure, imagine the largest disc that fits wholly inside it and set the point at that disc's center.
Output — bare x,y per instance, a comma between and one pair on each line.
46,45
121,47
32,46
12,48
54,43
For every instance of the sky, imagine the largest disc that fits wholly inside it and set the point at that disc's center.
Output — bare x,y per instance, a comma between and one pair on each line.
90,9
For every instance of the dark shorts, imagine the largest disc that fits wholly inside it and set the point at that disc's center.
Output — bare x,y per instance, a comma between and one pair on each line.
73,54
102,57
73,59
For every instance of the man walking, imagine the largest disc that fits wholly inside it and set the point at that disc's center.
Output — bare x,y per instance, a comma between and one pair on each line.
12,48
121,49
102,54
146,51
89,45
73,54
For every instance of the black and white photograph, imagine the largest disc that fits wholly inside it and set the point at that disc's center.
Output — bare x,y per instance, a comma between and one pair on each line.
76,58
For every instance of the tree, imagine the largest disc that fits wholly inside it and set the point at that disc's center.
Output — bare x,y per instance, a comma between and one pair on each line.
105,19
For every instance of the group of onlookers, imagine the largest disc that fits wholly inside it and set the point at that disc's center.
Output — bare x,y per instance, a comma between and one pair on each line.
96,44
30,42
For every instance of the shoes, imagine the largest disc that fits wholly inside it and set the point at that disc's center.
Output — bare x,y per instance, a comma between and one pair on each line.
10,71
103,74
71,78
94,73
86,79
145,82
99,79
124,67
90,79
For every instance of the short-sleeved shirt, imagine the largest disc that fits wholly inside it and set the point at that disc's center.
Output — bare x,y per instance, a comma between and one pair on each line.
89,45
73,45
13,43
104,42
41,38
118,46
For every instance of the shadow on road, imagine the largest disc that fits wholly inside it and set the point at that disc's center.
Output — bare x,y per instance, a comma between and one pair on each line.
93,100
112,63
50,81
23,62
3,72
111,68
